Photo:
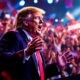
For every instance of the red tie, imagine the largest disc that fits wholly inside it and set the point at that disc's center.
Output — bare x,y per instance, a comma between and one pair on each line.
40,65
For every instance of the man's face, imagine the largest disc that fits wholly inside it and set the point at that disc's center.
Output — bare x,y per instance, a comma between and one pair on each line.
34,21
5,22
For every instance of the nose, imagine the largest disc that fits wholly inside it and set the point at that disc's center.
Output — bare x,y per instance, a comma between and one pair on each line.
41,21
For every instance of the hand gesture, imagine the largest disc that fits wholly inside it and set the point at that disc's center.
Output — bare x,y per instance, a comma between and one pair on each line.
36,44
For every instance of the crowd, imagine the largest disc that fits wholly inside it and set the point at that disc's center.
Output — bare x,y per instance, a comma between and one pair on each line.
62,42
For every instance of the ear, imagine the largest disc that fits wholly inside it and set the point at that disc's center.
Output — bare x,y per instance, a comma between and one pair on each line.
25,23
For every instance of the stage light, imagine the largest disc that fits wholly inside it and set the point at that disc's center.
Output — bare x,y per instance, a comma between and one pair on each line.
53,15
22,3
35,1
7,16
56,1
56,20
76,12
62,20
50,1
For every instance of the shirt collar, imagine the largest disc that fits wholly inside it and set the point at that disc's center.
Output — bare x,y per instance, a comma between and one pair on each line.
27,34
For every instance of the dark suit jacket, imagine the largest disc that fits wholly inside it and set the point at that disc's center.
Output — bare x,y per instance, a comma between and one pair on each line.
13,61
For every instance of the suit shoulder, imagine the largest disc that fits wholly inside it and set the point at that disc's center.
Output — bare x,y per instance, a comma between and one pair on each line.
10,34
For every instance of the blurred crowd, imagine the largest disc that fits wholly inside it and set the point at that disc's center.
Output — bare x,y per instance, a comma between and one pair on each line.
59,42
6,23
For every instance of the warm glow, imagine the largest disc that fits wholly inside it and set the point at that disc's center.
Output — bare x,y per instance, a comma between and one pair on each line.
73,27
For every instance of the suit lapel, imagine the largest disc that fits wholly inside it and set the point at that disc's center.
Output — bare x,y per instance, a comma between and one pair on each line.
23,35
25,41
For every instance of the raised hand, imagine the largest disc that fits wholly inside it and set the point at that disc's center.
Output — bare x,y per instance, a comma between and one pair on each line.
36,44
68,56
64,58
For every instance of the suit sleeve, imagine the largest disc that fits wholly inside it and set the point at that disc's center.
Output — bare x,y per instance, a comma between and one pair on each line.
9,47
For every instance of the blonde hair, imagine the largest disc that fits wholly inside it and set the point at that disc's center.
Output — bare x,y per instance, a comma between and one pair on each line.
25,11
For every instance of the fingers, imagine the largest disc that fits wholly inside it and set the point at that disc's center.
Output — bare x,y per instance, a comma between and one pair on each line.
37,41
66,53
36,44
34,39
69,57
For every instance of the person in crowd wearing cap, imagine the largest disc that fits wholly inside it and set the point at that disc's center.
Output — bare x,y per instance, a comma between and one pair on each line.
5,21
